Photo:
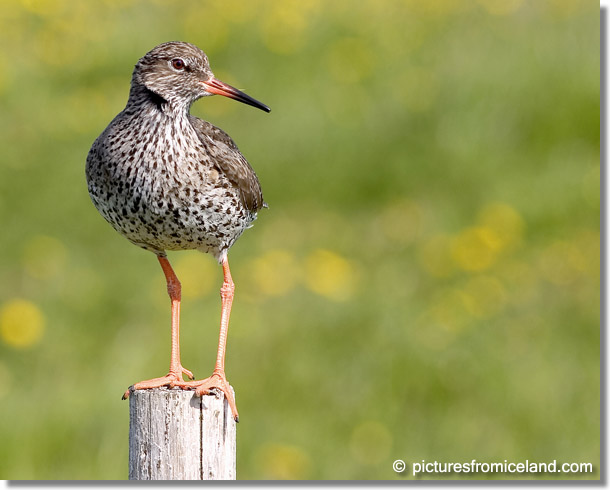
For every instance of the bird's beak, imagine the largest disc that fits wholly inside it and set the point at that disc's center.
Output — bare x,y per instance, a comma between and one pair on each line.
214,86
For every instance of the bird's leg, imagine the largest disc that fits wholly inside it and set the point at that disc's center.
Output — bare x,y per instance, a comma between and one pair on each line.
226,294
218,378
174,377
174,290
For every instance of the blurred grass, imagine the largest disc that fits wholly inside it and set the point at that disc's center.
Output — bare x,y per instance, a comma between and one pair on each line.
425,284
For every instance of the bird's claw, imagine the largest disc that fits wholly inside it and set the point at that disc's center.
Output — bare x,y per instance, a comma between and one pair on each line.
127,393
170,380
188,373
218,381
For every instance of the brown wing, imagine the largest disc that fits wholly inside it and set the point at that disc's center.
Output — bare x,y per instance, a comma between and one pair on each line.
230,162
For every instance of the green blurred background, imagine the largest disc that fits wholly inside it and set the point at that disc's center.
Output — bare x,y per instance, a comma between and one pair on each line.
424,285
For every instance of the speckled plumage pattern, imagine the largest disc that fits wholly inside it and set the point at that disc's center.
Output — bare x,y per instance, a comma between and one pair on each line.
163,178
169,181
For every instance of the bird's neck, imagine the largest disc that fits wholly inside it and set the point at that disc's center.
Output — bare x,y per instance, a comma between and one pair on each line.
141,99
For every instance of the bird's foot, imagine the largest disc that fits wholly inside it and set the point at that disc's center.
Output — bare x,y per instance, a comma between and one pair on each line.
217,380
170,380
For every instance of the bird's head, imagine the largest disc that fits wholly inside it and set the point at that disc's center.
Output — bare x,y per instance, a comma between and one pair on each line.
180,73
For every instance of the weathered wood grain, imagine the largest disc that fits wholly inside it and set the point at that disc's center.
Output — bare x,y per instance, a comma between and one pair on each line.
174,435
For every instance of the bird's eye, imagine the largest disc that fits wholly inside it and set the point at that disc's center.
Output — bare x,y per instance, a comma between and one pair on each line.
178,64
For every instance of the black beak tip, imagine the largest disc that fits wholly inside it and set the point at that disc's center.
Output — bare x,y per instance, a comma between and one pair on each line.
246,99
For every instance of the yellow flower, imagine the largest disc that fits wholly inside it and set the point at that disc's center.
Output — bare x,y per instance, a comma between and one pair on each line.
330,275
21,323
506,223
476,248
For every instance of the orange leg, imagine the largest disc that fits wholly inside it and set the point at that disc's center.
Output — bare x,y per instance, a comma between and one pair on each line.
218,378
174,377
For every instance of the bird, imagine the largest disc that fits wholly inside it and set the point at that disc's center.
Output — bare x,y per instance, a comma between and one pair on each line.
169,181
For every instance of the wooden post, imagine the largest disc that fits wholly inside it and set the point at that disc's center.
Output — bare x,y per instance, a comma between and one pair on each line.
175,435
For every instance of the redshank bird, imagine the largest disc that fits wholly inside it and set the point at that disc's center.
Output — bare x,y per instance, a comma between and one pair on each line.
167,180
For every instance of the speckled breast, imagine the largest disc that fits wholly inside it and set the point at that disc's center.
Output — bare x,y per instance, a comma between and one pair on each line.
152,180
